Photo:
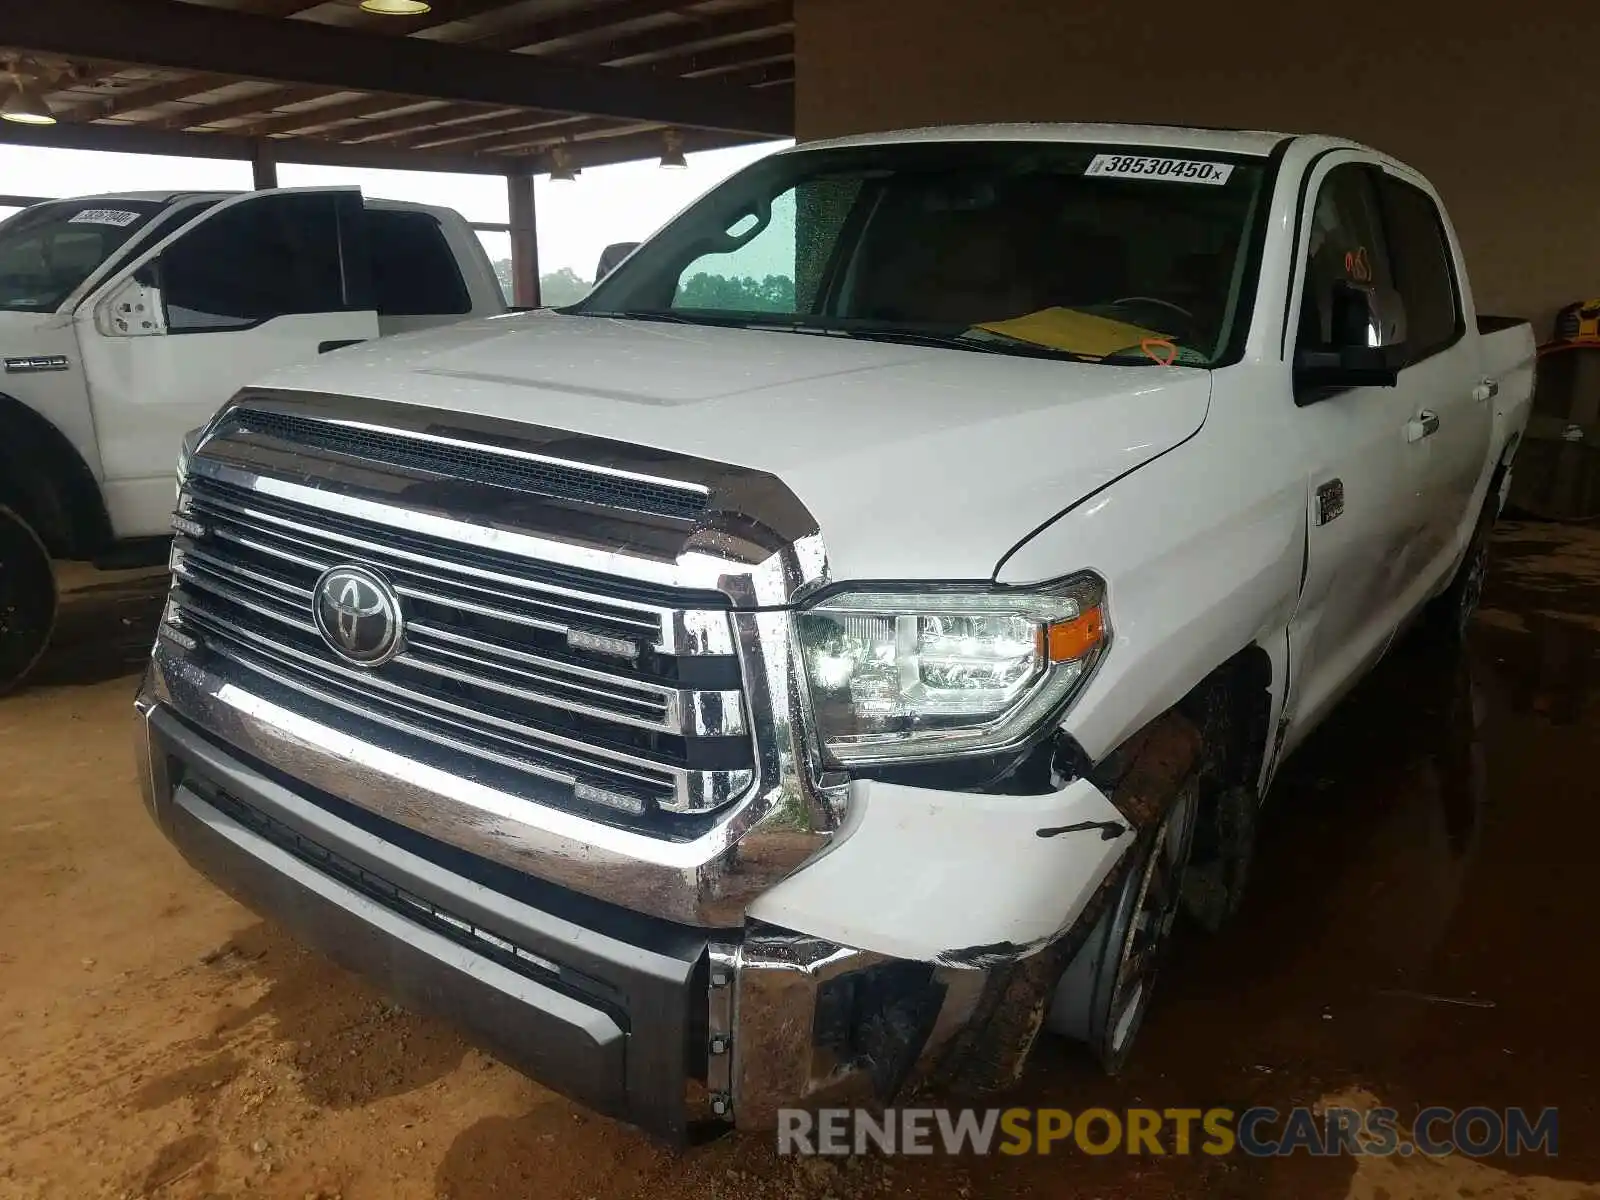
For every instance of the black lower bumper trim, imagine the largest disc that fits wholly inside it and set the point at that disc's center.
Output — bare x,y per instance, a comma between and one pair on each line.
608,1022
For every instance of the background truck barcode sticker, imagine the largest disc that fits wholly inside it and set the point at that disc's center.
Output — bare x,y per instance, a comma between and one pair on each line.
103,216
1177,170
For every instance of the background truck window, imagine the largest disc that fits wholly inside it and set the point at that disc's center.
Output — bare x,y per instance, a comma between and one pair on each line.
414,271
258,260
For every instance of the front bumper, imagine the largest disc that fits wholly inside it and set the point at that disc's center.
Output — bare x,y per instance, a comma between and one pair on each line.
832,991
594,1001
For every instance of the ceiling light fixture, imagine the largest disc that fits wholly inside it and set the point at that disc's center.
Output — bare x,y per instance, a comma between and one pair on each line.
672,158
396,8
561,168
24,103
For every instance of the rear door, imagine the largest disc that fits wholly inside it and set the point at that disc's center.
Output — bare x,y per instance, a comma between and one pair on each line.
1367,484
1454,419
259,281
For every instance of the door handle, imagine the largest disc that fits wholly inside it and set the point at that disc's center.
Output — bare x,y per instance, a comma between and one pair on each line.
1485,389
1425,424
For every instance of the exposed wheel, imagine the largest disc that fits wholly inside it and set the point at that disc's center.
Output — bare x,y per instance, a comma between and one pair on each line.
1450,613
27,599
1105,991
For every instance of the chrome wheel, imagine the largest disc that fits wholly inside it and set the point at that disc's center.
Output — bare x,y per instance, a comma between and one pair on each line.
1105,991
1155,908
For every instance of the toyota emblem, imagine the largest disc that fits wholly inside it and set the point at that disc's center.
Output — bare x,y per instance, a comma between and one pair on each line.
358,615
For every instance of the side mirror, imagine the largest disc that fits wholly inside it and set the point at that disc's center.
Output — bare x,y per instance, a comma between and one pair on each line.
611,256
1367,330
132,309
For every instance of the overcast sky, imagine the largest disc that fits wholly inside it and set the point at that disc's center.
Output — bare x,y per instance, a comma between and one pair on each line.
576,220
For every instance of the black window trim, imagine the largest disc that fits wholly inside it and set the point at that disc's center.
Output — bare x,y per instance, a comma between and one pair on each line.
1459,330
349,303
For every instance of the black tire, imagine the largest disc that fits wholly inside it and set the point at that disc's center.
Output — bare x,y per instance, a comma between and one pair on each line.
1093,1003
1449,614
27,599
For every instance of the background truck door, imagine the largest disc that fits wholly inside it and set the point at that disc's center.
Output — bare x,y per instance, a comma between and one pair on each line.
1367,484
1455,412
260,281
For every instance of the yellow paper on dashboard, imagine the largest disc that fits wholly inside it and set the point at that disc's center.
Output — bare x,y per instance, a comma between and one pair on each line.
1073,331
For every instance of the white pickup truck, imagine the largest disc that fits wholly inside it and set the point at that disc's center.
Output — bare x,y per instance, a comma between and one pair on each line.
843,644
126,320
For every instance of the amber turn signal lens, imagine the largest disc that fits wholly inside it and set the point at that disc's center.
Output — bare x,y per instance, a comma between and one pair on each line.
1067,640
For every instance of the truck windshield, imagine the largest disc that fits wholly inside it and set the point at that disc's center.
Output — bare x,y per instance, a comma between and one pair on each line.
48,250
1098,253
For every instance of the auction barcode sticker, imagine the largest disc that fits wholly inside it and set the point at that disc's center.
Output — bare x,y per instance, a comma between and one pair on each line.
103,216
1178,170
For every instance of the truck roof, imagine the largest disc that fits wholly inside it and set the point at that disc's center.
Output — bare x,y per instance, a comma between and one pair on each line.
156,197
1223,141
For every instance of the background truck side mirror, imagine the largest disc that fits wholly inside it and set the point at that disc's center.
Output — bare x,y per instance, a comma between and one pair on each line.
133,308
611,256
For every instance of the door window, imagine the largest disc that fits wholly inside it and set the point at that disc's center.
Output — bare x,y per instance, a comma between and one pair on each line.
1346,245
257,260
414,271
1423,270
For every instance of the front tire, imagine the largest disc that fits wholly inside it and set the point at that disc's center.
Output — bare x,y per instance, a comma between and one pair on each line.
27,599
1105,991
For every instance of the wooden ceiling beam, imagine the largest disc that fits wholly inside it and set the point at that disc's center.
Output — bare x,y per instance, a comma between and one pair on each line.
590,131
773,74
685,37
723,59
579,23
134,139
521,122
325,115
180,37
150,95
633,147
415,124
260,104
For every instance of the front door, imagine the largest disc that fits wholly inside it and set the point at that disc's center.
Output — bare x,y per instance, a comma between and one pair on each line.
260,281
1366,480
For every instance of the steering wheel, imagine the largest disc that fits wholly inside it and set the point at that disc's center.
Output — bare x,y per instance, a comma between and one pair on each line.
1159,303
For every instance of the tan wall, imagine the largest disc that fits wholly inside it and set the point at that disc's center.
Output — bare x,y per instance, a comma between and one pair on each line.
1497,104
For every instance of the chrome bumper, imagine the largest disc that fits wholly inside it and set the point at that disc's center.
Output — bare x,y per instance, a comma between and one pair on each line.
767,1018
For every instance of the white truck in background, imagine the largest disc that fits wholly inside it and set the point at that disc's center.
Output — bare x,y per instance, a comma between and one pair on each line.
125,320
839,647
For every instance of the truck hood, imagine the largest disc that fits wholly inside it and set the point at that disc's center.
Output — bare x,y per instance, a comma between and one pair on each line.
917,462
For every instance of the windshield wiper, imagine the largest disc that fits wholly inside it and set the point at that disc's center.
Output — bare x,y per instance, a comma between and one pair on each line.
666,316
986,344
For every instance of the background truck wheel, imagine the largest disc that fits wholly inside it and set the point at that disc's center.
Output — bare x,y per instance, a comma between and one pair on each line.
1450,613
27,599
1105,991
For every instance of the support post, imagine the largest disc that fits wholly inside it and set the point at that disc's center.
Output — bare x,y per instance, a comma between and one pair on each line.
263,166
524,240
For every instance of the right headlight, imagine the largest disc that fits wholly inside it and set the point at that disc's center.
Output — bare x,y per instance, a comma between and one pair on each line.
905,676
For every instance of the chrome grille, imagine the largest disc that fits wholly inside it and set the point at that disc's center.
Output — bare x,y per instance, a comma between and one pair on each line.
487,668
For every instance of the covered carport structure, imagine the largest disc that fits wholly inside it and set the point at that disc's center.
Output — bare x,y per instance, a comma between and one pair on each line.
504,87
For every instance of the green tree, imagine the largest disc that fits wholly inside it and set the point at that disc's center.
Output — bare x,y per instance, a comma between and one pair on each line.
741,293
565,286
